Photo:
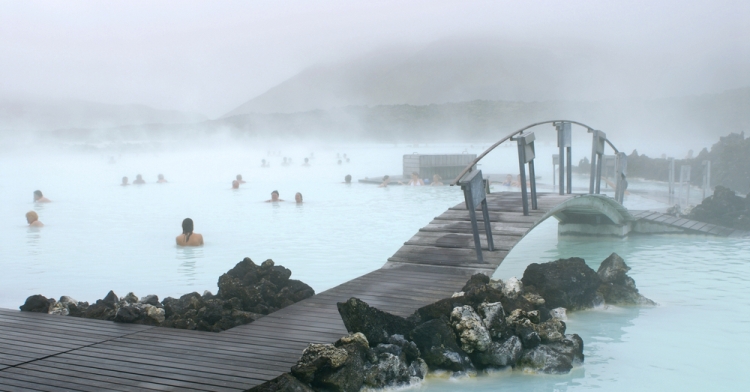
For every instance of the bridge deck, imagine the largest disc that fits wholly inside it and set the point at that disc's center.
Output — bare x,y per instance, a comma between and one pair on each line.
40,352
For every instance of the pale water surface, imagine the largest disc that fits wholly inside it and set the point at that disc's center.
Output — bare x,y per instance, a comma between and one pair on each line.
100,236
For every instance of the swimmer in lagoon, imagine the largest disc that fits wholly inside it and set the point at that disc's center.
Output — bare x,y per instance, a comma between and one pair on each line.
298,198
235,184
188,238
348,179
263,163
33,219
339,161
437,180
124,181
508,180
139,180
386,180
39,198
274,197
161,179
415,180
307,162
239,179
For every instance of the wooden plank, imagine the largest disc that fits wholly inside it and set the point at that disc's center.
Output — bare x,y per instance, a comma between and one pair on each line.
456,240
494,217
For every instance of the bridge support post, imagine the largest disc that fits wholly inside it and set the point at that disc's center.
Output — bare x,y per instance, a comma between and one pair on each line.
621,171
671,181
474,194
564,144
597,152
706,177
526,154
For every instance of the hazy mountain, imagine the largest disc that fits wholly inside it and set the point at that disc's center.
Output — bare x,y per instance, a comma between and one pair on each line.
639,121
29,114
459,70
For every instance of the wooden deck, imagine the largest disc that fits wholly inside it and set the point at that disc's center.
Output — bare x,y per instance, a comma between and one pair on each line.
687,225
40,352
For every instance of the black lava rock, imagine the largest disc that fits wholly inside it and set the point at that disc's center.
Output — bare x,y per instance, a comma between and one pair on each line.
567,283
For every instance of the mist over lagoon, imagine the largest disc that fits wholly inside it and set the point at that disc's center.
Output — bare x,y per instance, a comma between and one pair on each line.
92,92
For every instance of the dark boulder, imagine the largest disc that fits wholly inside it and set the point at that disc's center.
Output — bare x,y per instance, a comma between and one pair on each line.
617,287
437,309
375,324
723,208
317,361
128,314
568,283
570,346
544,359
437,344
409,349
499,354
283,383
37,303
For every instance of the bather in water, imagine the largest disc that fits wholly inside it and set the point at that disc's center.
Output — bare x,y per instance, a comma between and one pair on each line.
124,181
39,198
188,238
161,179
274,197
139,180
298,198
33,219
235,184
239,179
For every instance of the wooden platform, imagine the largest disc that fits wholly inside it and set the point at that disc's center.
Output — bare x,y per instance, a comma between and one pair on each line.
687,225
40,352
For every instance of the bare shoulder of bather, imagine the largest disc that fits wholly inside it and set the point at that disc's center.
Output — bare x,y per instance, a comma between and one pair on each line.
195,239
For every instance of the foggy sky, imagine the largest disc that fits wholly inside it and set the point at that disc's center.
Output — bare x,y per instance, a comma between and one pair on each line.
210,56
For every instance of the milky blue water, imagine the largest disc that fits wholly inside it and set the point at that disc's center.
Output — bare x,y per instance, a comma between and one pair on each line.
99,236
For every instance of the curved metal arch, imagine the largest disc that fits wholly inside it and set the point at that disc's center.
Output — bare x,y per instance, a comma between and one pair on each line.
492,147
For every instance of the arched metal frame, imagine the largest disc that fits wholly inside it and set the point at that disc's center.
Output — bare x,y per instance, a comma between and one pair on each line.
526,156
518,132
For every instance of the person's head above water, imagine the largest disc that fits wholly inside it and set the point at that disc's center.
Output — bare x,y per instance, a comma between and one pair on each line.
386,178
298,197
124,181
348,178
275,196
188,238
239,177
33,219
235,184
187,226
38,195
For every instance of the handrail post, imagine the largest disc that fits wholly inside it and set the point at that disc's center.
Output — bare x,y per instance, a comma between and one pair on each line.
597,152
526,154
474,186
564,145
621,171
671,181
706,177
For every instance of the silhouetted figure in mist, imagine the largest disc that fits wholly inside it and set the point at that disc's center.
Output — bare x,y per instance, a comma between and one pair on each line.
39,198
139,180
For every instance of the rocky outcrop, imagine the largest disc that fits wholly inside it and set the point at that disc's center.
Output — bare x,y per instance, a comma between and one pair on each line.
246,293
375,324
617,287
350,363
567,283
724,208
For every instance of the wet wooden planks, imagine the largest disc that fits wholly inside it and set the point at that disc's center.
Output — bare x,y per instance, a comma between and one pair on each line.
689,226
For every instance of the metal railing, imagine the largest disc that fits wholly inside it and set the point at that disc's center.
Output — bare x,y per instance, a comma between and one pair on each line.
526,153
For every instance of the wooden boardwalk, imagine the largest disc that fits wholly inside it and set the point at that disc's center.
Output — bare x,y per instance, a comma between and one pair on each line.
687,225
40,352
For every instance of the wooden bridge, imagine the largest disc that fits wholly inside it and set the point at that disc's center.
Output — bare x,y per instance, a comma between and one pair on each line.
41,352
